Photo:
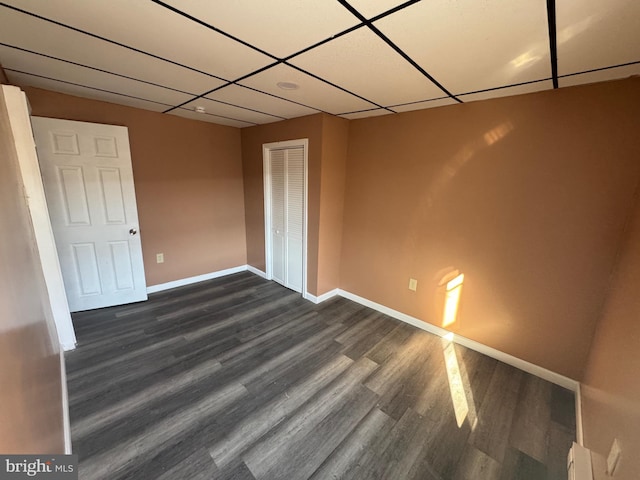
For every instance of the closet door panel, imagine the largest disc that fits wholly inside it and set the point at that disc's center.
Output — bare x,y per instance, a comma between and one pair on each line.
295,218
278,215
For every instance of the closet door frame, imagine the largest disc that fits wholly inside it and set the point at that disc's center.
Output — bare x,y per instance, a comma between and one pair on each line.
266,164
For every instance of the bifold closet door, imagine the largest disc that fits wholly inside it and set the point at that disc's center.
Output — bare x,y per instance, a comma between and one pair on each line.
287,216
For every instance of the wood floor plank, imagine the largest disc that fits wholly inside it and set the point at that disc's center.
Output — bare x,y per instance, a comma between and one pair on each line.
519,466
383,457
390,343
306,449
257,339
532,417
197,466
563,407
364,342
495,417
250,429
344,457
121,410
111,462
475,465
265,458
559,441
365,326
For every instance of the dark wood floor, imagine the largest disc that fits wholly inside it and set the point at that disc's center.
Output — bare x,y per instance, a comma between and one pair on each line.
239,378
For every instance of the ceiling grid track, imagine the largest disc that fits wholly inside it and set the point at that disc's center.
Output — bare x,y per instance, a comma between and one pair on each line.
259,50
93,68
553,43
104,39
397,49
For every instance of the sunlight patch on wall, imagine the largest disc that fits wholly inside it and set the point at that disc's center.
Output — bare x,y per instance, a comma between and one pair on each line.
498,133
452,300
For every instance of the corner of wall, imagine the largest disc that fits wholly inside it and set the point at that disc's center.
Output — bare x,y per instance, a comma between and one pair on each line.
610,391
335,136
4,80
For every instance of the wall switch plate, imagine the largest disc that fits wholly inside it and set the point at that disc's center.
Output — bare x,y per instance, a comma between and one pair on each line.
413,284
614,457
160,258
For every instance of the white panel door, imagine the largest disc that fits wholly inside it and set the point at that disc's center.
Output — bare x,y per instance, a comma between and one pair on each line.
88,180
287,206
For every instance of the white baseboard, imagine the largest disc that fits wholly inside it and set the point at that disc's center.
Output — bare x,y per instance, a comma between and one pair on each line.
528,367
198,278
321,298
255,271
68,346
66,422
579,430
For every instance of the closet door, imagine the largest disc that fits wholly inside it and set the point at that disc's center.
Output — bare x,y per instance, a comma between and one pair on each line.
294,218
287,216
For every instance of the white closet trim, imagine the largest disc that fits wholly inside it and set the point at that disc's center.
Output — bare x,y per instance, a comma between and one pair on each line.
266,151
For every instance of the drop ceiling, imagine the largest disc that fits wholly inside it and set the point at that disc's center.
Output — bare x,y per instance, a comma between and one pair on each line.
352,58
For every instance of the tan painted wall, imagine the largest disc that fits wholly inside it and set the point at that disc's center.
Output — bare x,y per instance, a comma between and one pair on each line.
188,178
252,140
335,141
30,379
611,390
526,195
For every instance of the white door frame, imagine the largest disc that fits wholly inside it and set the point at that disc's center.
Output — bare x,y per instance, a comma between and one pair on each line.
32,180
266,169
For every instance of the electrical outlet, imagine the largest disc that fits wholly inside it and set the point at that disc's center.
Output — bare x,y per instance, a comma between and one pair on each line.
160,258
614,458
413,284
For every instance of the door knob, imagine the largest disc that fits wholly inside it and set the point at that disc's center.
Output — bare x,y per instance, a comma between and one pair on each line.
133,231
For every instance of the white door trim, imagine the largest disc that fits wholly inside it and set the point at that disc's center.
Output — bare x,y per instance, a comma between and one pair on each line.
266,169
21,126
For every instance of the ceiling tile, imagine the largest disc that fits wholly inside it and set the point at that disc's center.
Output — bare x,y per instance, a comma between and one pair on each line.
364,64
505,92
154,29
17,29
371,8
421,105
56,86
595,34
35,64
246,97
184,113
312,92
279,27
235,113
469,45
600,75
366,114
